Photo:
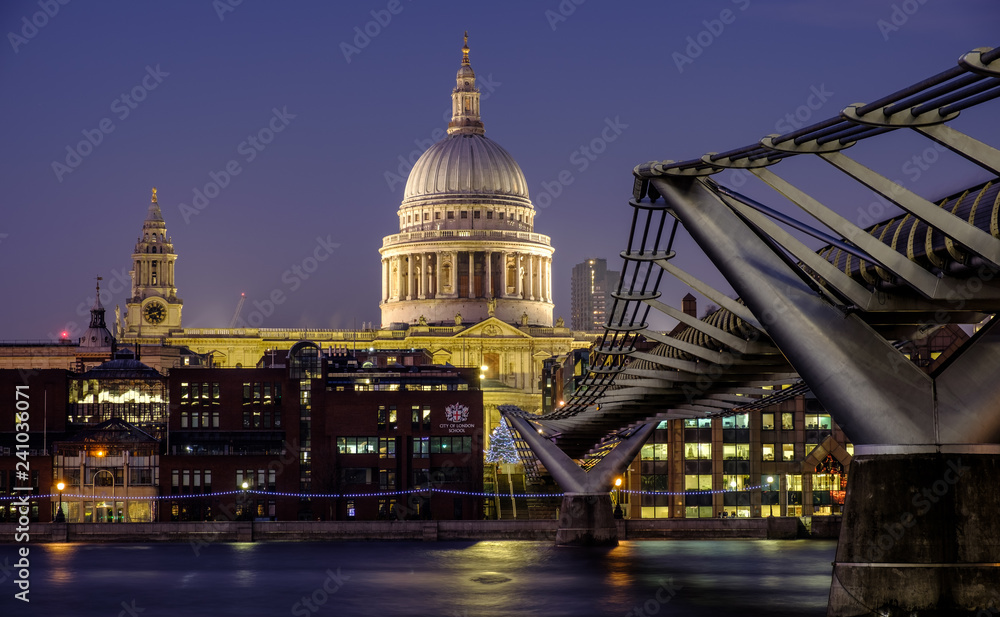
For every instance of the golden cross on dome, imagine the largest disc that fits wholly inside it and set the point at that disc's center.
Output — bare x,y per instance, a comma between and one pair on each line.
465,49
154,194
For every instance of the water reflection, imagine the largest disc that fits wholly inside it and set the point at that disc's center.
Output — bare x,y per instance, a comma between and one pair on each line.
509,579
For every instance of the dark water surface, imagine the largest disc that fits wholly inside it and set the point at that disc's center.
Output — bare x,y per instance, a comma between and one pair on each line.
443,579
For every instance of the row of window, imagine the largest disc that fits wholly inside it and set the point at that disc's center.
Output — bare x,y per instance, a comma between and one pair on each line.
199,419
256,480
462,214
363,386
190,481
261,393
387,478
204,393
422,446
255,418
8,480
420,417
813,421
735,452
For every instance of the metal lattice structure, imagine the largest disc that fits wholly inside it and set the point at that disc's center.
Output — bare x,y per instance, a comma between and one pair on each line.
877,287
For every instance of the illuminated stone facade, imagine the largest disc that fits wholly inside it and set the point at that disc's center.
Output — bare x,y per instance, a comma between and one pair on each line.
154,308
466,244
465,210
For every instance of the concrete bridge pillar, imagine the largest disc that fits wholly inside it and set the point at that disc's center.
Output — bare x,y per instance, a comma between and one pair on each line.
921,533
587,520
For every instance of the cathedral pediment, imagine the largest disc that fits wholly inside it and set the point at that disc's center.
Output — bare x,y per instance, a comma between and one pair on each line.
492,328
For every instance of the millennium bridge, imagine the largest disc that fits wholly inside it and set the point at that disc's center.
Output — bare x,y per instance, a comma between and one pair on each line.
836,318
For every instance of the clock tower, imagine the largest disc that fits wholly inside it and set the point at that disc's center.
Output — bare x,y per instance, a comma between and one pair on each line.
153,308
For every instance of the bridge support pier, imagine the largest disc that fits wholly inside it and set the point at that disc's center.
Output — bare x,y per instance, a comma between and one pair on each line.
921,533
587,520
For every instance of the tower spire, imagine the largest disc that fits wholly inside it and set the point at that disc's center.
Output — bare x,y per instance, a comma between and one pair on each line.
465,118
98,307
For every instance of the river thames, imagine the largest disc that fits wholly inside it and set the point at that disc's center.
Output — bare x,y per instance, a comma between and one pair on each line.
450,579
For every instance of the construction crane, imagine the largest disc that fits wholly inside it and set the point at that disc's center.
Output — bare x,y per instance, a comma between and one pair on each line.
239,307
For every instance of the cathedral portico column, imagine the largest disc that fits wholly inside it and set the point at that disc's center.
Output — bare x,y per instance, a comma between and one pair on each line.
400,278
422,291
411,276
531,277
549,271
541,279
504,279
472,274
488,275
385,279
437,274
519,284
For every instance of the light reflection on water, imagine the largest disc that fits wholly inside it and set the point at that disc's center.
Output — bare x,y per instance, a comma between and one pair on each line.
446,579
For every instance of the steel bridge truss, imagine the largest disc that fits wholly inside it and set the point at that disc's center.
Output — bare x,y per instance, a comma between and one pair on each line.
834,317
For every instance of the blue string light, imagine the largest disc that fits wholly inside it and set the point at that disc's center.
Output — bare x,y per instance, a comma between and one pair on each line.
358,495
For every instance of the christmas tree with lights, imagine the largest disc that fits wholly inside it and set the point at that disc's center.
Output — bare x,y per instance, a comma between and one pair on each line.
502,448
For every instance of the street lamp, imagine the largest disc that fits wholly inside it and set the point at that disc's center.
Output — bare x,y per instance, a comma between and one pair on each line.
60,517
618,499
770,506
245,486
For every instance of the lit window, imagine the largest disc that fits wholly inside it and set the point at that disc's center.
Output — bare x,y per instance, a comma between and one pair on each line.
693,451
788,452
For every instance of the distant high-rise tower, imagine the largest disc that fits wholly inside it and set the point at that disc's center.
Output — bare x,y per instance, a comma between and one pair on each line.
154,308
591,288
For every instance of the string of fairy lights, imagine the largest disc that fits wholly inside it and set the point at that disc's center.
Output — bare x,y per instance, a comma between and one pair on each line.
383,494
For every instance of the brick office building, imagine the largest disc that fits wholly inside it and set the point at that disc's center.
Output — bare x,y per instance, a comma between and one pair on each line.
398,428
315,423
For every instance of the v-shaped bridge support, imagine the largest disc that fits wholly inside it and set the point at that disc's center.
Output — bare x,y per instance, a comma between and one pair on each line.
586,517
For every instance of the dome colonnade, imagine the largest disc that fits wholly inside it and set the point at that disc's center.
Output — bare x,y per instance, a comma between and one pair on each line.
466,249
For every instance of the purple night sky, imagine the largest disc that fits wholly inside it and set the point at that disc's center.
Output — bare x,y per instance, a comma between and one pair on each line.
553,75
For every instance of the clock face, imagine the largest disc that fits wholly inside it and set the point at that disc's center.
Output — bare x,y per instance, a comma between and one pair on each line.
154,312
